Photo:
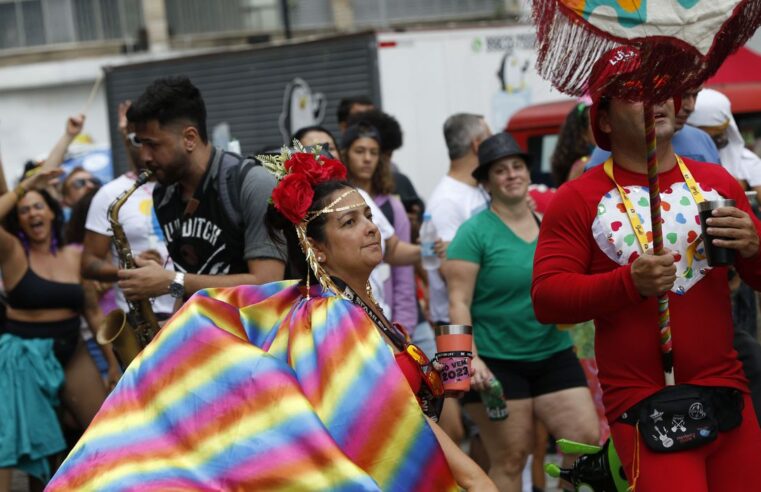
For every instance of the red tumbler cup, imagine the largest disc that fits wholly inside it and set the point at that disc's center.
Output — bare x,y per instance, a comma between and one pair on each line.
454,345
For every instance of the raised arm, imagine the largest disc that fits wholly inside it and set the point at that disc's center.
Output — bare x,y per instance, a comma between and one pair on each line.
3,183
74,125
10,247
124,129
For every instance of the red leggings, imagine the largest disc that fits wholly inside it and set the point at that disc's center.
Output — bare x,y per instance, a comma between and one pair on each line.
730,463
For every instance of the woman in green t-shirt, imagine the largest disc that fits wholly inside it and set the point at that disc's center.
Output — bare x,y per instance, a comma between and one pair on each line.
489,278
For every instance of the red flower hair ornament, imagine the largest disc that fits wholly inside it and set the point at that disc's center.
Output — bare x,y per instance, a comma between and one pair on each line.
297,173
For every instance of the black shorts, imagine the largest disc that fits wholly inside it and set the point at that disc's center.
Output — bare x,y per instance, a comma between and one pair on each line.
529,379
65,334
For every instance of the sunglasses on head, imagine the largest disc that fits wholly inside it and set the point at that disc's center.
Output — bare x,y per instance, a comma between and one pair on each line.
80,183
134,140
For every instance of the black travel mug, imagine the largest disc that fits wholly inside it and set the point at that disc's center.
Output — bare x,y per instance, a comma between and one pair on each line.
716,255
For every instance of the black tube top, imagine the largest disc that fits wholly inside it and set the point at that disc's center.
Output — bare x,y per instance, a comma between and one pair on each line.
35,292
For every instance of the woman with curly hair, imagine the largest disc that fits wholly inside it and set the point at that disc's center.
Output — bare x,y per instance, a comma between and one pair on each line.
574,145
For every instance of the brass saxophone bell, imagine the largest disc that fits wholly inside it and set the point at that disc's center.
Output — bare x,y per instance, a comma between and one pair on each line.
128,336
117,331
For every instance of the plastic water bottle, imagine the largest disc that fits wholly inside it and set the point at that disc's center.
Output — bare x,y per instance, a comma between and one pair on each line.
428,237
494,401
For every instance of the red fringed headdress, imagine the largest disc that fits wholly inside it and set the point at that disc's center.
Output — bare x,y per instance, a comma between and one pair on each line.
681,42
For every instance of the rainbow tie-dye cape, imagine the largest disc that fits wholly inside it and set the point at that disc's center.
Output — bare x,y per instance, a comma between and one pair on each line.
256,388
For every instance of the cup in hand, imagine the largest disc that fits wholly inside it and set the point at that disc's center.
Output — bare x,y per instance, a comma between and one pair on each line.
716,255
454,345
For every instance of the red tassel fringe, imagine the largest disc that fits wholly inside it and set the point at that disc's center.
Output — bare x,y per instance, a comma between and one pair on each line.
569,47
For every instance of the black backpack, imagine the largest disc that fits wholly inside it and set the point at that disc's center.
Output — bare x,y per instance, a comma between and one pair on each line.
233,169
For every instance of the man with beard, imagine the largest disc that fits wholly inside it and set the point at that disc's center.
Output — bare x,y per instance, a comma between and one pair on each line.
210,203
99,257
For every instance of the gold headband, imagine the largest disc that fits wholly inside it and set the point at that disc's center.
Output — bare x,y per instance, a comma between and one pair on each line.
329,207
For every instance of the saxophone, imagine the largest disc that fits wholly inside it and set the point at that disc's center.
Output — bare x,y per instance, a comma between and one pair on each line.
129,332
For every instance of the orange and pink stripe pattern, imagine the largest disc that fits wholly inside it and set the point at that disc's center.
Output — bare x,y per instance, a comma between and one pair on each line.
256,388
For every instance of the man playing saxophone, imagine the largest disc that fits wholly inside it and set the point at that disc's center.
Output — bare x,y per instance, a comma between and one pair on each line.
100,259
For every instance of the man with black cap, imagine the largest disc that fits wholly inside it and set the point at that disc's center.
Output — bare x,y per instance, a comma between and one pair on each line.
593,262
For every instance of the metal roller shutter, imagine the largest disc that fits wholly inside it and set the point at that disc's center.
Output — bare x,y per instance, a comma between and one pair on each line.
245,88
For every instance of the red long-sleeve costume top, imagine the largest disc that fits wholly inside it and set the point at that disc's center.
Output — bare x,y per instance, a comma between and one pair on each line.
582,271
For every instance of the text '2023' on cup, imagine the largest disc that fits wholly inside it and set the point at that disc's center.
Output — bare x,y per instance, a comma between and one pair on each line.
454,345
716,255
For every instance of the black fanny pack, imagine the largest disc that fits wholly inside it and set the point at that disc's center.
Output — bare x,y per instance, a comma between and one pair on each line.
685,416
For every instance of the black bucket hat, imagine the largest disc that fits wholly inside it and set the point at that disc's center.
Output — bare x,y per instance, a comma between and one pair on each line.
496,147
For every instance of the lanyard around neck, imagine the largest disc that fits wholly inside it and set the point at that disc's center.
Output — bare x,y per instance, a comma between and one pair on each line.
631,212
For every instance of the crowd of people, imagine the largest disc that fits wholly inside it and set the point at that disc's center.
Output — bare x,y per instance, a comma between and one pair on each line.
306,264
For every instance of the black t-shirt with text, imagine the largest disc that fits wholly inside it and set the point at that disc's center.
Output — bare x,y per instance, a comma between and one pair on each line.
200,239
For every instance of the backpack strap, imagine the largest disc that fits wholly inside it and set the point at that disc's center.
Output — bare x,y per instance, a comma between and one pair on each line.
232,172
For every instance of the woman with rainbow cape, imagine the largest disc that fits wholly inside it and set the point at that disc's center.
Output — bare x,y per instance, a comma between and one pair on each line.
295,385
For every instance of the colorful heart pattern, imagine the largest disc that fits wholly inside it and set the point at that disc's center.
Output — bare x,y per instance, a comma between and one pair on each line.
614,235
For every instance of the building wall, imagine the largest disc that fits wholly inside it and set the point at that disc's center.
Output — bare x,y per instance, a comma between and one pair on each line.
263,94
429,75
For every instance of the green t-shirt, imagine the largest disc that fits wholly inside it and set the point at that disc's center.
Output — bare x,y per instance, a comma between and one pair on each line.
504,325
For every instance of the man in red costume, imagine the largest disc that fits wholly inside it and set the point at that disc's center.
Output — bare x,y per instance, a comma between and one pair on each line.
589,264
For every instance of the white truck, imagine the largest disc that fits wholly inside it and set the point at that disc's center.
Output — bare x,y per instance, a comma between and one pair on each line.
426,76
